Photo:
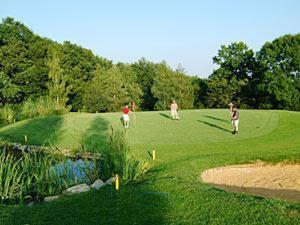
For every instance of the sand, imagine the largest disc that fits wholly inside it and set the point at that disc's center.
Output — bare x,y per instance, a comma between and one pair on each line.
281,181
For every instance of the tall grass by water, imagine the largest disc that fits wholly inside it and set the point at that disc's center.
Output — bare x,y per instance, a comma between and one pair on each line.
33,175
119,159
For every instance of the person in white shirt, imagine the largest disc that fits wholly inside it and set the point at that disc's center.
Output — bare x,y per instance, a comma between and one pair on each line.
174,110
235,119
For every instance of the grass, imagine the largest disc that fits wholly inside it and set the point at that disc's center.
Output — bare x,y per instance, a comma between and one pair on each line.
173,193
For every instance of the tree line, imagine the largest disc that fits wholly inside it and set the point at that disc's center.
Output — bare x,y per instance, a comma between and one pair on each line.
37,69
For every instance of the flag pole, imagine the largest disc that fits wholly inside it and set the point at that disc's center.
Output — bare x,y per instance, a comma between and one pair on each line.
133,111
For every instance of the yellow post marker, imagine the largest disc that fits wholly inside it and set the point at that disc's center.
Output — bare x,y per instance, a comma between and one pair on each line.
117,183
25,137
153,155
14,120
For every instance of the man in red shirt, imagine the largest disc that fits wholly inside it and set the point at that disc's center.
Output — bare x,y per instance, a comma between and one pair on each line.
126,111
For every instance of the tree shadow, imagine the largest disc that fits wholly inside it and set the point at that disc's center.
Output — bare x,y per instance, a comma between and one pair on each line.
165,115
96,137
214,125
139,203
216,118
136,204
39,131
286,194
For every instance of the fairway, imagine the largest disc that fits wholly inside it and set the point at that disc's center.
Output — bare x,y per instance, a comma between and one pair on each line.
173,192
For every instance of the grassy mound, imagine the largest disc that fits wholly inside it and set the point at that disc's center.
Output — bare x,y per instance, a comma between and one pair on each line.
173,193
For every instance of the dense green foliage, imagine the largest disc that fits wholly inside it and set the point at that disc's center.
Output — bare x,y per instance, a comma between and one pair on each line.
77,79
172,192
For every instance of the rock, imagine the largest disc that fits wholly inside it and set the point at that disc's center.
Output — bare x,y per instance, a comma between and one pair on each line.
16,146
23,148
77,189
51,198
30,204
110,181
97,184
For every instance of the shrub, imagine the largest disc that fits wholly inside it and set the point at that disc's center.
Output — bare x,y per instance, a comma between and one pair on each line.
43,106
118,159
7,114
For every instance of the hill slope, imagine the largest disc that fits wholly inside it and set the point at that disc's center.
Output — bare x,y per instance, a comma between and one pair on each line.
173,193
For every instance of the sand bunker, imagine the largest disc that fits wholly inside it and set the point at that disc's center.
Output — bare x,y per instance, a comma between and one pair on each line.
271,181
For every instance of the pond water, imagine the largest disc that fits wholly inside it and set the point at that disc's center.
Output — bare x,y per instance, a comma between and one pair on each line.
75,170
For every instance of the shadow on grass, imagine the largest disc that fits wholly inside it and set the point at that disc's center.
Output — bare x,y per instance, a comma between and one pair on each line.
39,131
286,194
133,204
96,137
3,123
165,115
216,118
214,125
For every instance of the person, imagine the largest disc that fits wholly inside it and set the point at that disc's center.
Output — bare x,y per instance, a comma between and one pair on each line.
126,111
231,111
174,110
235,119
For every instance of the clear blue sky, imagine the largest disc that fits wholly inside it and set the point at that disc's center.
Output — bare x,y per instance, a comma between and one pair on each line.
186,32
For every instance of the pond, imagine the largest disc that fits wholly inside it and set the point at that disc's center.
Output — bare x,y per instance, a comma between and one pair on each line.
75,170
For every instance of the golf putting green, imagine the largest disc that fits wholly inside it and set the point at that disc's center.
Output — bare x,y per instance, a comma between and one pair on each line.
172,192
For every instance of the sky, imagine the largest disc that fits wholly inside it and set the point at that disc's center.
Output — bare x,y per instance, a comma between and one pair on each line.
181,32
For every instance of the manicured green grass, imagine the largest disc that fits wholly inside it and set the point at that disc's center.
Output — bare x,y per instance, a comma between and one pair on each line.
173,192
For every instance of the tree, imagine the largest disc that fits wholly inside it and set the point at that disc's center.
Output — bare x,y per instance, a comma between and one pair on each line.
146,72
219,93
276,82
23,59
79,65
8,91
172,85
58,89
236,65
130,81
110,90
201,89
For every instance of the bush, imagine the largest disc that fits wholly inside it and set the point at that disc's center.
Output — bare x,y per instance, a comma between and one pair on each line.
7,114
43,106
118,159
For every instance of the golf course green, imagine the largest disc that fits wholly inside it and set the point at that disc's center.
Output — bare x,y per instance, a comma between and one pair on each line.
173,192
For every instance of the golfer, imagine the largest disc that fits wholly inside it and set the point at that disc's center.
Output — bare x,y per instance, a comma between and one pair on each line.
174,110
126,112
235,119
